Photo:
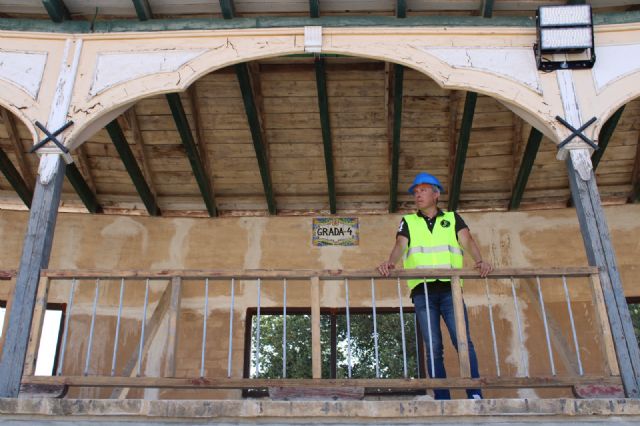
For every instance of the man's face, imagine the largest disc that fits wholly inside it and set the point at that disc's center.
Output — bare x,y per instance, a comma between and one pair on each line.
425,195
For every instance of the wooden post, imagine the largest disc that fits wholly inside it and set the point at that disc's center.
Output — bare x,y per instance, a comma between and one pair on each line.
599,250
36,327
608,350
35,256
316,360
461,329
174,317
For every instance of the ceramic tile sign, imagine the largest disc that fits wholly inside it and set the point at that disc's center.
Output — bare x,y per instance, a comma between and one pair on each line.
335,231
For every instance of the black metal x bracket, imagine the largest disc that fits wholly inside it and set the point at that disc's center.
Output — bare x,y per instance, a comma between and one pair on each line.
51,137
577,132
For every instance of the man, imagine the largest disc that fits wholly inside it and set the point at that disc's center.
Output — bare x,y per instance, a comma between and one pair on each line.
431,238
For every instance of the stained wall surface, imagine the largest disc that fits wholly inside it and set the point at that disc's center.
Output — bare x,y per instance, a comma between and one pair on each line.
547,238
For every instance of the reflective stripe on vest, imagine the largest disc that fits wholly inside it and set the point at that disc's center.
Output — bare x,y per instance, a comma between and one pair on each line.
437,249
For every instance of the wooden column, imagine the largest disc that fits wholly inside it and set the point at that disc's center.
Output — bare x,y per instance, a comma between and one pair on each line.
316,359
599,249
35,256
461,329
174,321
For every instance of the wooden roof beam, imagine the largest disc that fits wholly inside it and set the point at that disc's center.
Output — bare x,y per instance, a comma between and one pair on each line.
14,137
323,105
395,99
461,149
200,136
634,197
130,163
179,116
84,191
605,136
57,10
529,157
487,8
15,180
228,9
259,141
143,9
401,8
138,140
314,8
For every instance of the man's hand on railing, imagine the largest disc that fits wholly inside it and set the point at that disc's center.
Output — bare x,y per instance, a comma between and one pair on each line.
484,268
385,267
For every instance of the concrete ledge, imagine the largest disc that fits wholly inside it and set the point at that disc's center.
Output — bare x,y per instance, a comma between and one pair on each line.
267,411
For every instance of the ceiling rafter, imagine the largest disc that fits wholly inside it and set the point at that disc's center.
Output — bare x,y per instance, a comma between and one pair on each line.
401,8
396,99
529,157
14,137
461,149
83,190
201,140
634,197
85,166
325,124
314,8
143,9
454,100
188,141
57,10
605,136
228,9
141,148
131,165
15,180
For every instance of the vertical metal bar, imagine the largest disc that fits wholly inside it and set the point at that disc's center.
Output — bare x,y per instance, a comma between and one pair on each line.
284,329
426,299
115,340
93,323
66,327
233,281
346,289
546,328
375,327
404,341
520,336
258,333
573,326
144,320
204,325
493,328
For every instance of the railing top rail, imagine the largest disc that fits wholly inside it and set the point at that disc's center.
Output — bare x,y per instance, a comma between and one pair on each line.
325,274
7,274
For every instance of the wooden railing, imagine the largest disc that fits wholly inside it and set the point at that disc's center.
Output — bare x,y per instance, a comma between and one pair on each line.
169,304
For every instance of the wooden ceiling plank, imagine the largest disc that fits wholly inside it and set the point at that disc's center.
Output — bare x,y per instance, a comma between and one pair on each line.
257,133
57,10
325,124
530,152
143,9
453,121
396,98
14,137
86,194
15,180
141,148
605,136
131,165
461,149
180,118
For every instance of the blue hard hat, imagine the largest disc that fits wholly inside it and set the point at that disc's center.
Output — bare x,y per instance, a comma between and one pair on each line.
426,178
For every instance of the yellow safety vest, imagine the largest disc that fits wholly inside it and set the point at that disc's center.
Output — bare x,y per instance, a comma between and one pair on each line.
432,250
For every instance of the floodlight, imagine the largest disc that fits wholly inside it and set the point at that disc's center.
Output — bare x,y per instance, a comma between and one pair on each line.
564,30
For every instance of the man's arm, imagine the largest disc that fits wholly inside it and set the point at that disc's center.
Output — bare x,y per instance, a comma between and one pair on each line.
394,256
469,245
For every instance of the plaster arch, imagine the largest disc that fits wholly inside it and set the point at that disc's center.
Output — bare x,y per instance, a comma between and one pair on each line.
95,100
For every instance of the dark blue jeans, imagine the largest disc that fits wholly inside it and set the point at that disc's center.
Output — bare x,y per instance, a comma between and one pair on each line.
441,304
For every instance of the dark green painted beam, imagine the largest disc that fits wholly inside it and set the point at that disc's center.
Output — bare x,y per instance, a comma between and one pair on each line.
116,26
190,147
605,136
398,80
15,180
314,8
401,8
143,10
84,191
487,8
529,157
57,11
323,104
130,163
228,9
461,149
635,192
242,72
